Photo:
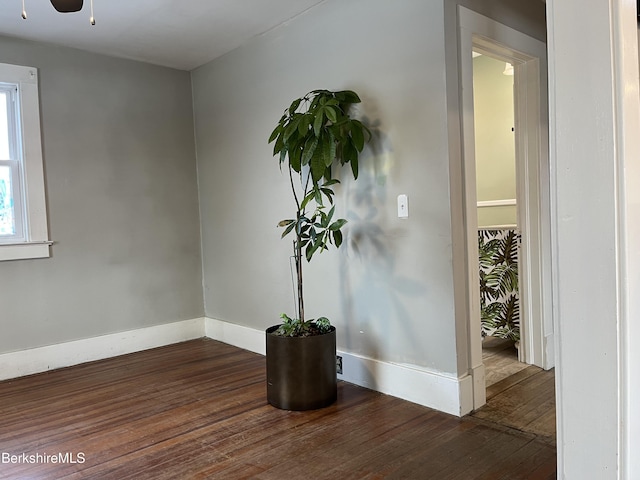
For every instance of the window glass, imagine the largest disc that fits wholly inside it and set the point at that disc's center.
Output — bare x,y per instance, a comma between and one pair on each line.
7,221
4,126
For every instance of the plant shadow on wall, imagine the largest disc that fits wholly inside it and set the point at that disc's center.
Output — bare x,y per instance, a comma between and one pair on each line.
373,293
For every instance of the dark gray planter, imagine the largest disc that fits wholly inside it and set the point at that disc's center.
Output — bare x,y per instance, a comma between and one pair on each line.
301,372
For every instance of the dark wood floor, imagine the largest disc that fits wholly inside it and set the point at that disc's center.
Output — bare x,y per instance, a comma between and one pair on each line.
519,396
197,410
524,401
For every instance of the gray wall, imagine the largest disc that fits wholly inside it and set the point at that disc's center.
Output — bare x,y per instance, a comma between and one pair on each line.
122,198
528,17
390,290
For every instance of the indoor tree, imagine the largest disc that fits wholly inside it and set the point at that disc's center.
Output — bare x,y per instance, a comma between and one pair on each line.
314,134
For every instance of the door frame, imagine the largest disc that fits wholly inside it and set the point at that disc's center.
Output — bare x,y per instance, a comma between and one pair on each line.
528,55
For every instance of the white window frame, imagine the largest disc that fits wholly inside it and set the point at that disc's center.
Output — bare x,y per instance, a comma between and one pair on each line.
14,163
32,240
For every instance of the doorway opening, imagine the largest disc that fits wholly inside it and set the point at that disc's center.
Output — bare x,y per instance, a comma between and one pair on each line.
499,233
532,209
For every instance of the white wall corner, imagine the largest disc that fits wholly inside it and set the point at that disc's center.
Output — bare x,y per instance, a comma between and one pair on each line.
42,359
243,337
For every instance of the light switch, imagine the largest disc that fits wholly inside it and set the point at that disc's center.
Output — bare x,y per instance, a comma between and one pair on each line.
403,206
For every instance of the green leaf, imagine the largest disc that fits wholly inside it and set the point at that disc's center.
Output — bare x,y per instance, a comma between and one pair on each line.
327,172
323,324
275,133
309,150
292,127
357,135
337,238
303,126
349,152
354,166
330,150
337,225
310,250
279,145
326,152
317,165
294,105
310,196
330,113
318,122
348,96
324,221
284,223
328,193
302,225
330,214
294,159
288,230
328,183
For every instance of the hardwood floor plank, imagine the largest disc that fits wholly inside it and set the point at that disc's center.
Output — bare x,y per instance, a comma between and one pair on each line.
198,410
510,381
527,404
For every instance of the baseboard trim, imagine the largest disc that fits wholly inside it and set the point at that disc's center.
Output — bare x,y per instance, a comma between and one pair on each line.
477,397
430,389
424,387
42,359
237,335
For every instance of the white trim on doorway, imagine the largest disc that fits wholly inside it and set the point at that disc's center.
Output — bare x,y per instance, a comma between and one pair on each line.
528,55
595,152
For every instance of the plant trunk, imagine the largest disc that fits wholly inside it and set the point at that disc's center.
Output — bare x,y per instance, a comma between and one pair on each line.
298,257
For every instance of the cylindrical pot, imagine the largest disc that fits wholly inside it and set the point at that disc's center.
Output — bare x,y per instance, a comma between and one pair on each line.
301,371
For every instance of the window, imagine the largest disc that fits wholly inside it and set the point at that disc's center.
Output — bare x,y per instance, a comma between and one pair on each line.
23,222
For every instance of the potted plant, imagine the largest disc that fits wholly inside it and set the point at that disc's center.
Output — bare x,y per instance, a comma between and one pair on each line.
314,134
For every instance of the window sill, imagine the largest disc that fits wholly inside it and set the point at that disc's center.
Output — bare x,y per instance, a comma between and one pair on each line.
23,251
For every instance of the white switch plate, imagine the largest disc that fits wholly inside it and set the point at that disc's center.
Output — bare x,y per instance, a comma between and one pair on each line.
403,206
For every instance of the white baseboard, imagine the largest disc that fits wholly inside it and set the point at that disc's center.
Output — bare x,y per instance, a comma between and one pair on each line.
430,389
478,396
424,387
242,337
42,359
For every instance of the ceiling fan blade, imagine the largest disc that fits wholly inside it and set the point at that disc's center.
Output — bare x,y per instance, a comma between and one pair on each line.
67,6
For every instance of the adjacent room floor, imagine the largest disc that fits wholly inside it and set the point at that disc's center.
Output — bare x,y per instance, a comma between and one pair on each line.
197,410
519,396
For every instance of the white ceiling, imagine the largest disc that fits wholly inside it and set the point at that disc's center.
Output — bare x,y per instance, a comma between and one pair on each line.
183,34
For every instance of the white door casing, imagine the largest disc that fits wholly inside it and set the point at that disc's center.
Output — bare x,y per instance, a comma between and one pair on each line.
528,56
595,159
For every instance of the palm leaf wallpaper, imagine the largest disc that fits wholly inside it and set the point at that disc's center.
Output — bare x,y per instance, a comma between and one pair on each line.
499,297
